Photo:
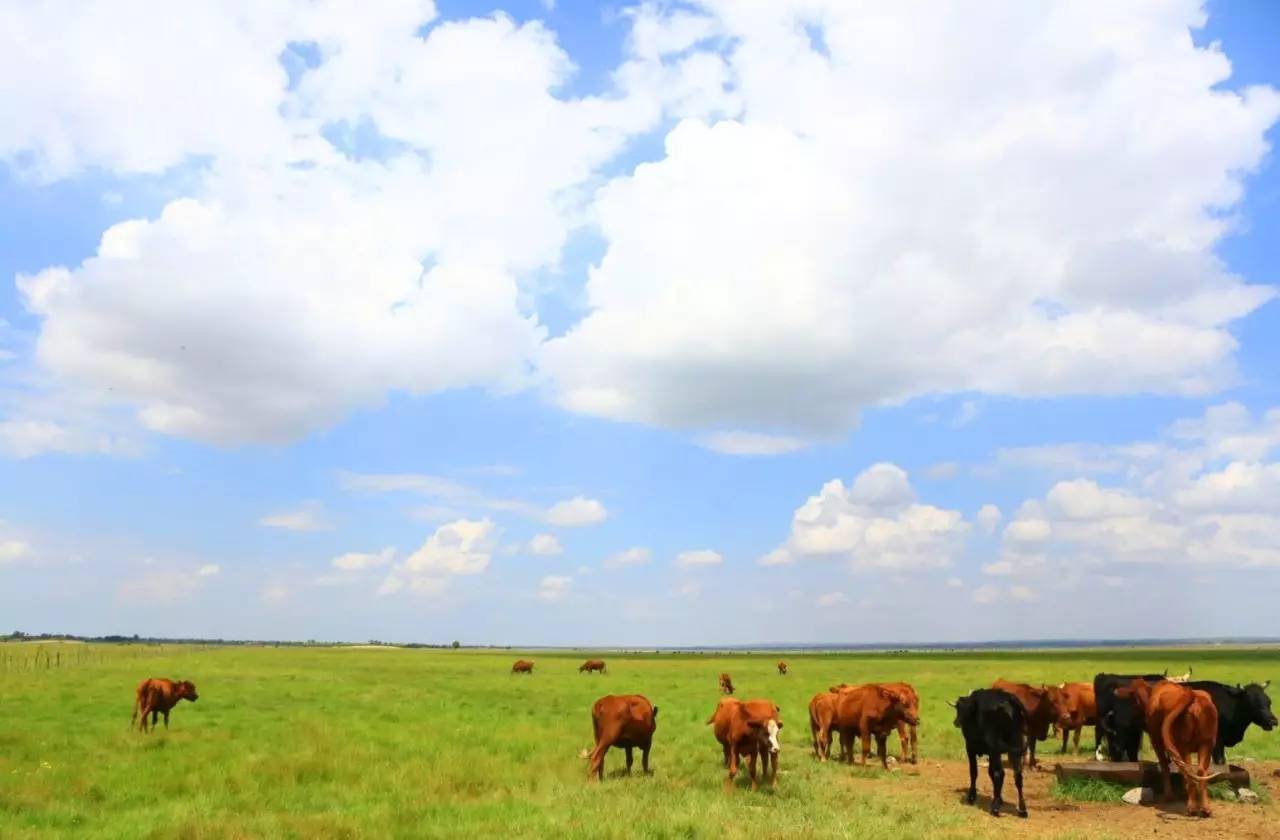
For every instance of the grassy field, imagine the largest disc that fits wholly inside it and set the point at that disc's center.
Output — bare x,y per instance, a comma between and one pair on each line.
320,742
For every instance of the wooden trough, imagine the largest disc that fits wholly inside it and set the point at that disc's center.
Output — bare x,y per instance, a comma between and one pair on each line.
1144,773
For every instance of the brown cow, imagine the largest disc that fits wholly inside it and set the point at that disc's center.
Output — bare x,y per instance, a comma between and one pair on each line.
157,697
782,668
1040,712
747,728
822,715
907,729
726,684
1182,723
622,720
522,666
592,665
869,710
1076,707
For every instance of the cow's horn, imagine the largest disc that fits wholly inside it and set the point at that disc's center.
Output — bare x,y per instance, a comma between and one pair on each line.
952,705
1265,684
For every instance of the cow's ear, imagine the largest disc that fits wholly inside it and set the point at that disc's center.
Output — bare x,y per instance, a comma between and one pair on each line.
1265,684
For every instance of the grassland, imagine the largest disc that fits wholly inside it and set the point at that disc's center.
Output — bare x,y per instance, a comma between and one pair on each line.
331,742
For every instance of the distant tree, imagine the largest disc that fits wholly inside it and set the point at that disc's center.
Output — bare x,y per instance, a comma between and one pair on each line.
456,644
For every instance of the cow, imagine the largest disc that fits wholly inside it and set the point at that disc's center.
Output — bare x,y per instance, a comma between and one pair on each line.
993,723
522,666
904,728
621,720
1183,725
747,728
870,710
591,665
157,697
1040,712
726,684
782,668
1237,708
1119,727
1077,707
822,715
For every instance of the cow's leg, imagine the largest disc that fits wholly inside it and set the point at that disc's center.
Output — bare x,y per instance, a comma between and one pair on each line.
644,757
902,739
1031,762
751,769
973,777
1219,753
732,765
166,718
1075,738
813,733
915,752
1162,758
996,771
1066,733
883,746
866,745
595,770
1206,755
155,718
726,755
630,760
773,775
1017,781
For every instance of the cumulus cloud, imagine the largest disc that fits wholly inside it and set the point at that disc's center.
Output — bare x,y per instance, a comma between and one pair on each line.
634,556
554,587
576,512
699,557
874,523
306,518
830,246
989,518
354,561
545,545
464,547
453,496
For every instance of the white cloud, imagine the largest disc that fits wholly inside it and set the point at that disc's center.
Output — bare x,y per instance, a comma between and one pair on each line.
27,438
208,570
11,550
987,594
464,547
943,470
699,557
554,587
276,594
954,583
576,512
989,517
354,561
875,523
307,518
832,599
545,545
162,586
1019,592
634,556
777,557
828,247
752,443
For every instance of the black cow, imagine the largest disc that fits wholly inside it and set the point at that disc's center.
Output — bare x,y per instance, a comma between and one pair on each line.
993,723
1237,708
1119,719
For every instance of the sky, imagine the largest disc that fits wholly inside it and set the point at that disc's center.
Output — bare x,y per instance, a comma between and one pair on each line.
669,323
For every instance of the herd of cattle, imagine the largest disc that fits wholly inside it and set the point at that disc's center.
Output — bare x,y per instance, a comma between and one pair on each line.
1190,723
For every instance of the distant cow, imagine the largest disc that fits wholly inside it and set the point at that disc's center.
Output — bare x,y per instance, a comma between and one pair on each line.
993,724
1183,725
1119,725
1077,707
627,721
871,710
782,668
157,697
726,684
591,665
1237,707
522,666
1040,712
747,728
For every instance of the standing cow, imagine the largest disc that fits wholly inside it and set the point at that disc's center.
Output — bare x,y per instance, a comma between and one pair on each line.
1119,725
782,668
1237,708
1077,707
748,728
627,721
1038,704
157,697
726,684
591,665
522,666
1183,725
993,724
871,710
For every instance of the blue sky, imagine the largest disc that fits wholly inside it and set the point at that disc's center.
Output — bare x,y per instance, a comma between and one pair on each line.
571,340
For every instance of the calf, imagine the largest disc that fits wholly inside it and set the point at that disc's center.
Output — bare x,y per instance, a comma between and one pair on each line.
1040,712
626,721
822,716
747,728
1237,708
993,724
871,710
591,665
157,697
522,666
1182,724
1077,707
782,669
1119,726
726,684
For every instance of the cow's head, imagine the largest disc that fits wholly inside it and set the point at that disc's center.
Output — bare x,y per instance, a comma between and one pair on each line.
901,706
186,690
962,706
1061,704
1255,697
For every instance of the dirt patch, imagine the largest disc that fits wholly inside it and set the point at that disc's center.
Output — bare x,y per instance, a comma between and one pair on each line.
943,784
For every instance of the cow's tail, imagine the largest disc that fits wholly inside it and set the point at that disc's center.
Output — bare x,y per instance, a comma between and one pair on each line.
1166,734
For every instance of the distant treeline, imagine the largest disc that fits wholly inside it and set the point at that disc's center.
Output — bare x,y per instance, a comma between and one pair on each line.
135,639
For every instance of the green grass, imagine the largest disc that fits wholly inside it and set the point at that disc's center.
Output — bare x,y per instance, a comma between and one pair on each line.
318,742
1087,790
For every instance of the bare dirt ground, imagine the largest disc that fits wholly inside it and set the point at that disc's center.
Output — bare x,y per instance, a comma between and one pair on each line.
944,784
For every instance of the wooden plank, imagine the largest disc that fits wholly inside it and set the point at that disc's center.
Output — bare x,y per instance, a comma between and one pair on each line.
1143,773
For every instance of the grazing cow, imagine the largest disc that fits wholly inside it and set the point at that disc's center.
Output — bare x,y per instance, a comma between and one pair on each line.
592,665
1077,707
157,697
1237,707
993,724
782,668
622,720
1119,726
1183,725
748,728
1040,712
1185,678
869,710
726,684
522,666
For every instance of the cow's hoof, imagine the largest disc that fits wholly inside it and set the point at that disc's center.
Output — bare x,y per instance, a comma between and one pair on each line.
971,798
1023,813
995,810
